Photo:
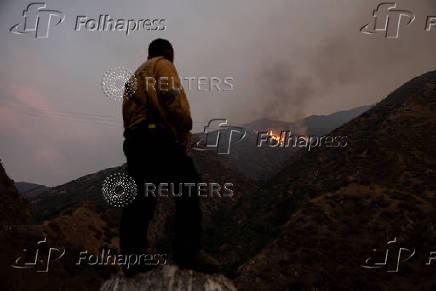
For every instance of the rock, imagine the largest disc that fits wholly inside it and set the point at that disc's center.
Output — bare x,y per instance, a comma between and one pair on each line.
169,277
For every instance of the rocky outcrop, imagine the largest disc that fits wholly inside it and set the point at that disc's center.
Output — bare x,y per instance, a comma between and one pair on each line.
14,210
169,278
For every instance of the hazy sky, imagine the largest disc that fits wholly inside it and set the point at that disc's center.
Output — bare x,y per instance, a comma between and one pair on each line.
288,58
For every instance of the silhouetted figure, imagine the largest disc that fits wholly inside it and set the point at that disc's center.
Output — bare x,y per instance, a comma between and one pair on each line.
157,123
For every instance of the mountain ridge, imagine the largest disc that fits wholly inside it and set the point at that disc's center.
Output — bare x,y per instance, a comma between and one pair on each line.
351,201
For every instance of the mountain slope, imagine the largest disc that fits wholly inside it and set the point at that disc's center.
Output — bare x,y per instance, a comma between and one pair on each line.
260,164
313,122
29,189
13,208
18,240
347,202
76,211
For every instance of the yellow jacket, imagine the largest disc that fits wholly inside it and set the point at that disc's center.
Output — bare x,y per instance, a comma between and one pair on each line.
159,99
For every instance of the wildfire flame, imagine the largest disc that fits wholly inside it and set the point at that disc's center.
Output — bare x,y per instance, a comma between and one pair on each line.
276,137
281,138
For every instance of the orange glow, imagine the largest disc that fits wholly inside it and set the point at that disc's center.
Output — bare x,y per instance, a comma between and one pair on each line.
276,137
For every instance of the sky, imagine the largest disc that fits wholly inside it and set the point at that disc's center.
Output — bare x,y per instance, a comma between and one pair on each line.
287,59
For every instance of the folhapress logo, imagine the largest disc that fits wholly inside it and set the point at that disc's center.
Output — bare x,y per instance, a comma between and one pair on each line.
388,19
38,19
218,135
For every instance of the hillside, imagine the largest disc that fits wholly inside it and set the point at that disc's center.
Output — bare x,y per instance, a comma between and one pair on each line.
29,189
315,222
342,204
312,122
18,239
76,212
260,164
13,208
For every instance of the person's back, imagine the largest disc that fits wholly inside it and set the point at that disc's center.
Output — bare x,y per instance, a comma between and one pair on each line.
157,124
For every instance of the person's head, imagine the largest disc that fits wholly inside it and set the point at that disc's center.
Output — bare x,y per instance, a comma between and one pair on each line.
161,47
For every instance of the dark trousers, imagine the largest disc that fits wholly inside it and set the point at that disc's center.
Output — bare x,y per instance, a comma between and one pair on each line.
150,160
